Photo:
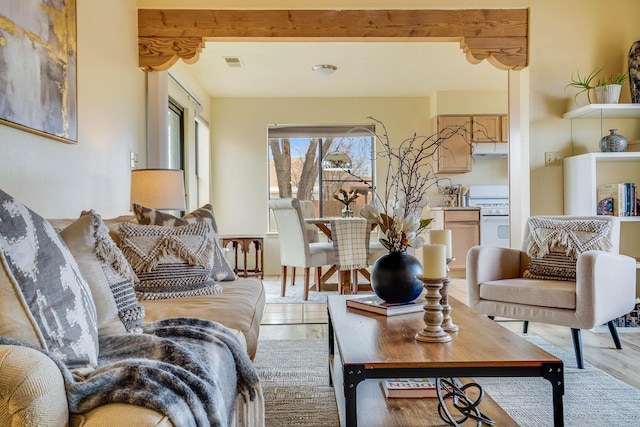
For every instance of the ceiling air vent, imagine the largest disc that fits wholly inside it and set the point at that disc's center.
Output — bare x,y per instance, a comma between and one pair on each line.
233,61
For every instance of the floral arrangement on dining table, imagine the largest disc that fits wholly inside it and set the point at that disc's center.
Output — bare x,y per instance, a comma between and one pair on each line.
398,210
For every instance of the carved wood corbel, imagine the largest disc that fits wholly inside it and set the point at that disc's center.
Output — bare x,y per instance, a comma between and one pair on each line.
497,35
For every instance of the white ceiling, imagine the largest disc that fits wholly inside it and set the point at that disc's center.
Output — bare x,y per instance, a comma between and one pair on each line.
365,69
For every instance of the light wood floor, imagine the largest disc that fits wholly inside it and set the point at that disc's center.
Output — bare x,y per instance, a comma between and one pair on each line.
297,321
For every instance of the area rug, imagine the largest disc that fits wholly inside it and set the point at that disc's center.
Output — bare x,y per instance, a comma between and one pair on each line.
295,382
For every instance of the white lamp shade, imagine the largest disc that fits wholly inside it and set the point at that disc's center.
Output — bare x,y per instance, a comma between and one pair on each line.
161,189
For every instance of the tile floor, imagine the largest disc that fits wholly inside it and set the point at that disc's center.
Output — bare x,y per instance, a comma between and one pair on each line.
308,313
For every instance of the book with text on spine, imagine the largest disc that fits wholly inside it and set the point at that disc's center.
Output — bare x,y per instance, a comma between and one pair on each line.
375,304
412,387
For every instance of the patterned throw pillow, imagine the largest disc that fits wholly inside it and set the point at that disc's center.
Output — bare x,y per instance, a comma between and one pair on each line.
149,216
44,300
170,262
108,273
555,244
221,269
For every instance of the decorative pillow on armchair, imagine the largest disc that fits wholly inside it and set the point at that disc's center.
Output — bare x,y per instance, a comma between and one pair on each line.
170,262
44,300
555,244
108,273
221,269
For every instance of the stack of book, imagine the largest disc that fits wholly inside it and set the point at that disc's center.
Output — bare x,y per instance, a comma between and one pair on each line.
618,199
375,304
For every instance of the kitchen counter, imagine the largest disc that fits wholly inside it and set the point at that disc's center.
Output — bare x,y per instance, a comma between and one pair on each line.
446,208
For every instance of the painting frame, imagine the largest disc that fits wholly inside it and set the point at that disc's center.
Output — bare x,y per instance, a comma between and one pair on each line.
38,67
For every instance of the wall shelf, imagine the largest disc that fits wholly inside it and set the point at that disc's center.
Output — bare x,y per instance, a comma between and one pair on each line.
605,111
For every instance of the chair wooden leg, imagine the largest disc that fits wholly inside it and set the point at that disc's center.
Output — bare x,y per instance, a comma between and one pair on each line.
525,326
306,283
318,279
614,334
283,277
577,347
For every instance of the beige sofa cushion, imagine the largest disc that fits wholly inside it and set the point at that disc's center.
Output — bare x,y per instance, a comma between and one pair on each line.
239,306
542,293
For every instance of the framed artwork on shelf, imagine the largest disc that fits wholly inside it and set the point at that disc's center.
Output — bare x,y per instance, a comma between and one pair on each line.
38,70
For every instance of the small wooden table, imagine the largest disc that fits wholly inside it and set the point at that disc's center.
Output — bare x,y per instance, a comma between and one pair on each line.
243,242
365,346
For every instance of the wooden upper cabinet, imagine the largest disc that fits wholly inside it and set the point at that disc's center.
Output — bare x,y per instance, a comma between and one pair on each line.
490,128
454,155
504,122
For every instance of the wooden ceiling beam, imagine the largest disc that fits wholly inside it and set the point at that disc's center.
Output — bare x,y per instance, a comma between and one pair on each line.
498,35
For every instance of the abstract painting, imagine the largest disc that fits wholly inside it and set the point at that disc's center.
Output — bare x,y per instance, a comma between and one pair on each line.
38,67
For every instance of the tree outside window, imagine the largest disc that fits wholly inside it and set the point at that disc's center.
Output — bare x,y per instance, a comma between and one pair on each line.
295,166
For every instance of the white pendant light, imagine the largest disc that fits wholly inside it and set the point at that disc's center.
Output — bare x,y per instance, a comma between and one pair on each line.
324,70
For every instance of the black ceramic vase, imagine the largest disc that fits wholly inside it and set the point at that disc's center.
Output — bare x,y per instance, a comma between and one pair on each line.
634,71
393,277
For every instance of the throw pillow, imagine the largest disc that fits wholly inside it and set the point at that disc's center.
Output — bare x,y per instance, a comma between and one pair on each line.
554,245
149,216
221,269
44,299
108,273
170,262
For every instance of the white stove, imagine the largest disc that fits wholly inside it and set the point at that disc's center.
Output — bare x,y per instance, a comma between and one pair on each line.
493,201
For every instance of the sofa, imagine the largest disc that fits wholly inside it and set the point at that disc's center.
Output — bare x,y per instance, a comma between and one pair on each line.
82,364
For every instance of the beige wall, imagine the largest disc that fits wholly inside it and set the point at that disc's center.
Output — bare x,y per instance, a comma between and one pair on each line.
60,180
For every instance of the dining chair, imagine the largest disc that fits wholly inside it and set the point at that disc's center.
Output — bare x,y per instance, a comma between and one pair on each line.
295,248
569,273
350,237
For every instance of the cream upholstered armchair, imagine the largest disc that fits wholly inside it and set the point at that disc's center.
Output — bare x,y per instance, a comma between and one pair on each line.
295,248
569,274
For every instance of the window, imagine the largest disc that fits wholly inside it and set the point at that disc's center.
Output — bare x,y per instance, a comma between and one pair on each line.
295,166
175,139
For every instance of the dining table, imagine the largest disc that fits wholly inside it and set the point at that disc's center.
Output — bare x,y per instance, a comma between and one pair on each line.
344,282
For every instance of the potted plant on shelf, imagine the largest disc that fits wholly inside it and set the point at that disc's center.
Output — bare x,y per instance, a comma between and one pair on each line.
607,89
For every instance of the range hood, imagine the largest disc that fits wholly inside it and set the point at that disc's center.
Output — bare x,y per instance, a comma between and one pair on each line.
490,149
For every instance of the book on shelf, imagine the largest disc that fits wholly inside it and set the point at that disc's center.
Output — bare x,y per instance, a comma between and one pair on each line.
376,304
619,199
412,387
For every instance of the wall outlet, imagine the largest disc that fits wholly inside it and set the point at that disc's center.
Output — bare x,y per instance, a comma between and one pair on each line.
552,159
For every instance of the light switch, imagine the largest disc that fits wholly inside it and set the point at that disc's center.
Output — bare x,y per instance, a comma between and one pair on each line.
133,159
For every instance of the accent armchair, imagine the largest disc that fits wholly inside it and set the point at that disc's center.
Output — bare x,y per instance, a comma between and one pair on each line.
295,248
569,274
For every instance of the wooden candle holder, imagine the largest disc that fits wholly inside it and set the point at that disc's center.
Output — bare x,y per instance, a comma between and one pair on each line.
447,323
432,331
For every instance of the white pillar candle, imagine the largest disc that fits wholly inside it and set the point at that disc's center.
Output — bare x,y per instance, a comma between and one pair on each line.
434,261
442,237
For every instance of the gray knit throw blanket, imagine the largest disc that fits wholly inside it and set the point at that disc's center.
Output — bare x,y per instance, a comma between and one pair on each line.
191,370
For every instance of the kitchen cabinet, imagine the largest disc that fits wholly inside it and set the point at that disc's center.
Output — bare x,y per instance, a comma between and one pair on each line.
454,155
464,224
490,128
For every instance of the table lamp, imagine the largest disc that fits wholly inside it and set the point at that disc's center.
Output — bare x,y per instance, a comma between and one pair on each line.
161,189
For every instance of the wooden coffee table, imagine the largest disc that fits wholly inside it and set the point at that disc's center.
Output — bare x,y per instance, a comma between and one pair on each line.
364,346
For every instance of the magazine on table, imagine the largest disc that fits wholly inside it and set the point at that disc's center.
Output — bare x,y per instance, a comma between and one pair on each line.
375,304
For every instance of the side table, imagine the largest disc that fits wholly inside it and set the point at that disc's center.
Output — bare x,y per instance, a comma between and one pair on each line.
243,243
